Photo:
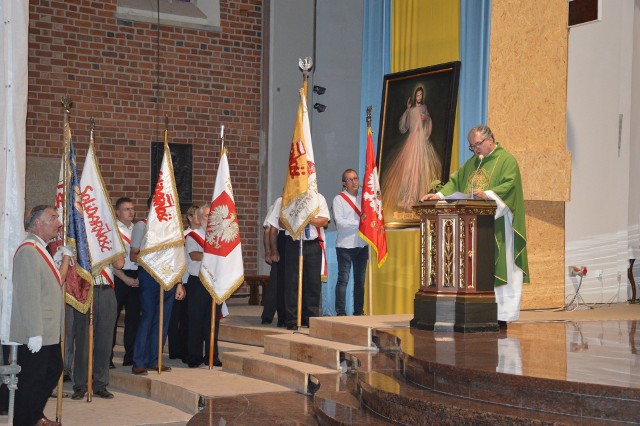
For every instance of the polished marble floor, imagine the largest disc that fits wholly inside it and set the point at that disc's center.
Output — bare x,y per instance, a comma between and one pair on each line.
597,352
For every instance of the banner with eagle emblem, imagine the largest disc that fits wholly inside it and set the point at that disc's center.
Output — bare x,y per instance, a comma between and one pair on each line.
222,268
371,220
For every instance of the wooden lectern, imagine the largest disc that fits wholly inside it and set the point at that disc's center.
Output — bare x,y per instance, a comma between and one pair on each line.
456,267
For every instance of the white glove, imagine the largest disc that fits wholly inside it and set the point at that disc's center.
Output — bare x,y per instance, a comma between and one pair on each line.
61,252
35,344
67,251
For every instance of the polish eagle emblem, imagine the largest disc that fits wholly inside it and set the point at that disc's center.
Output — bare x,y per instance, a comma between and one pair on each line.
222,227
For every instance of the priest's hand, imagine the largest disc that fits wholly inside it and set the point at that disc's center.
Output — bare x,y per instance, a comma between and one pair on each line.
479,193
35,344
429,197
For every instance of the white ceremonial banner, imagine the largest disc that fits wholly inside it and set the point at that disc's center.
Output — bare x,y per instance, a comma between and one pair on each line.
103,237
162,252
222,268
14,39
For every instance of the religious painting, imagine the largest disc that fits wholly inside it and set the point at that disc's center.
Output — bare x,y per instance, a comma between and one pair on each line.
415,138
182,160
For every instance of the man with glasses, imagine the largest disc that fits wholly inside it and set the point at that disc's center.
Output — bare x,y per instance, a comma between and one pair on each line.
350,248
493,174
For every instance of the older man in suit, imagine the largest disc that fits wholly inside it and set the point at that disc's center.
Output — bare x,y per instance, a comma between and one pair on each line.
36,317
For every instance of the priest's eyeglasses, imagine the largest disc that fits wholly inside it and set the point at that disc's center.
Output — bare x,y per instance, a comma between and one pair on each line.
349,180
473,146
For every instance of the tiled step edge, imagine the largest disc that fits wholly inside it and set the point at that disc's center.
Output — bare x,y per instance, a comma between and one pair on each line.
292,374
303,348
156,390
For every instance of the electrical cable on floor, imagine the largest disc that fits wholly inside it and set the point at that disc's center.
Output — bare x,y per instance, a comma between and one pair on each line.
567,305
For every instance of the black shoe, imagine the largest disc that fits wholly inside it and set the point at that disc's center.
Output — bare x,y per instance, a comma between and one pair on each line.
127,363
282,324
111,365
78,394
341,315
292,327
66,378
217,362
103,393
266,321
194,364
502,325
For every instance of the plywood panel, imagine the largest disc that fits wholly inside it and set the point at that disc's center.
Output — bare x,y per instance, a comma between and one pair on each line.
527,113
545,243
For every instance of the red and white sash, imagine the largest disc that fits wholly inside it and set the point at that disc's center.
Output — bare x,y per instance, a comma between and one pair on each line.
351,203
324,271
105,274
125,237
196,237
47,258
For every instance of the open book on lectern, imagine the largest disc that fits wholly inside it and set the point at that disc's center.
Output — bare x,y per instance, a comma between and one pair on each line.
458,196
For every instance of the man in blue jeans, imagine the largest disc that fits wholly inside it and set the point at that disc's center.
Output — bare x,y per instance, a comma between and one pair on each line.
145,348
350,248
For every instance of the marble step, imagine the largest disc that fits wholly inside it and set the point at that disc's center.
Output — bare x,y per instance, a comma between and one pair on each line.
354,330
184,388
296,375
247,335
304,348
394,398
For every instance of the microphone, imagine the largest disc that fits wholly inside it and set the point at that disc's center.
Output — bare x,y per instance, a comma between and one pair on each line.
481,157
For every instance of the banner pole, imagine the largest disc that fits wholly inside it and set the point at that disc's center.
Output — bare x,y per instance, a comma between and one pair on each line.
370,276
160,321
90,354
66,103
212,333
300,271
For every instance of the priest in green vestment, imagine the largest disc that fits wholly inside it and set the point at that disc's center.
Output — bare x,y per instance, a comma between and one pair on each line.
493,174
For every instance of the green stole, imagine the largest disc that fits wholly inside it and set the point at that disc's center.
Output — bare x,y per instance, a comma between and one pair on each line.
499,173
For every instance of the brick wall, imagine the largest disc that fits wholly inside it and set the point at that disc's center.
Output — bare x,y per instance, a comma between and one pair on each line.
109,68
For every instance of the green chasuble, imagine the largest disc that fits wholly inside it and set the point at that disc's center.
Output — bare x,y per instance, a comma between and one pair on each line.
499,173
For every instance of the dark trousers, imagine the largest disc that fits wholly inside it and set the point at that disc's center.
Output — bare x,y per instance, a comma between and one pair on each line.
311,280
200,322
129,299
145,350
179,327
274,293
69,339
37,379
357,257
4,391
104,318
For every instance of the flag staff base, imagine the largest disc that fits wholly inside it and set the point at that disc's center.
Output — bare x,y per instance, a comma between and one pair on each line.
160,321
212,334
300,270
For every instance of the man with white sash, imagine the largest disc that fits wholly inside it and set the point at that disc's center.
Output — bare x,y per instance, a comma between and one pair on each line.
350,248
36,316
199,299
127,287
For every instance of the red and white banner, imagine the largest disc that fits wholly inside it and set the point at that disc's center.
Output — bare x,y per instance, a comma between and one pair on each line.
162,252
371,220
222,268
103,236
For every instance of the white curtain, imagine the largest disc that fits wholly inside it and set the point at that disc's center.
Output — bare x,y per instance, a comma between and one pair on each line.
14,36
